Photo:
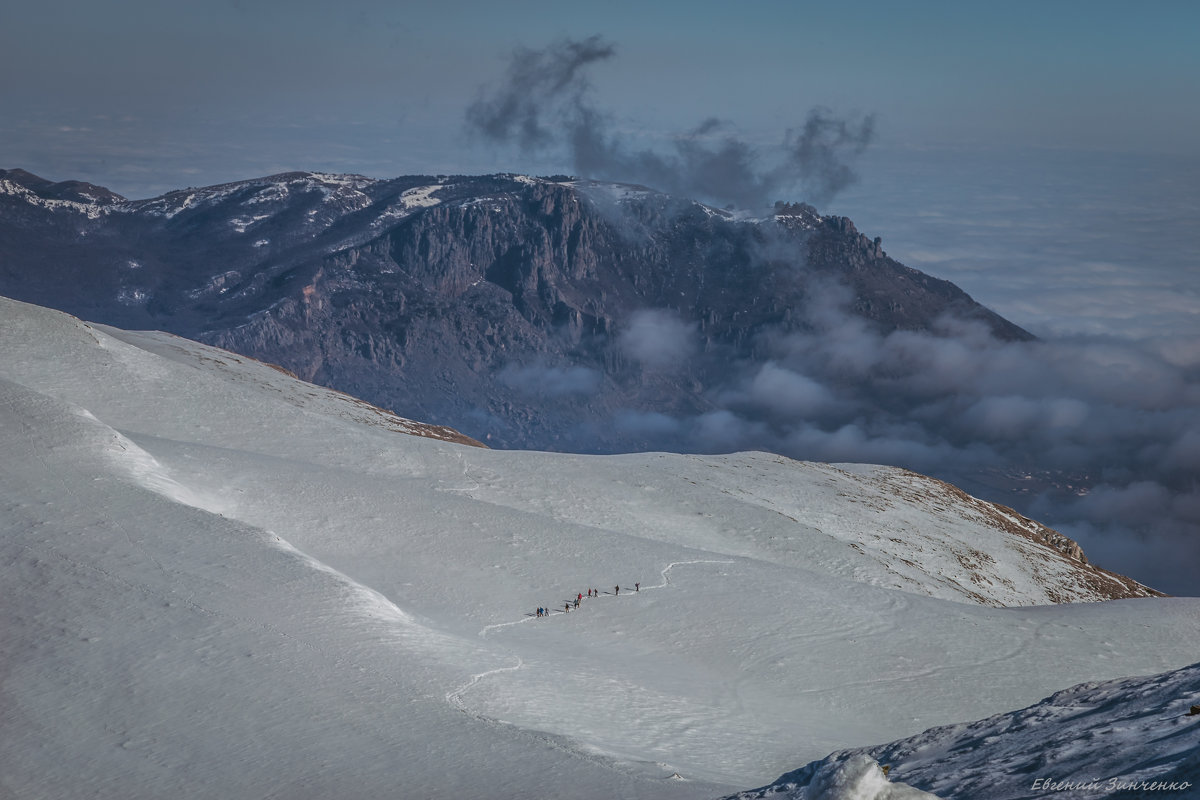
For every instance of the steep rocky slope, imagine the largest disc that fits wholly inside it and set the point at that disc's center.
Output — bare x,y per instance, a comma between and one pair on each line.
531,311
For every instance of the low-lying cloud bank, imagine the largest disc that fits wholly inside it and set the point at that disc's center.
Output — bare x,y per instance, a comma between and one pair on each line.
1100,438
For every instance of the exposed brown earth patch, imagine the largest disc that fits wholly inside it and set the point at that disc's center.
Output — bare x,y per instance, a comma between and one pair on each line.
931,492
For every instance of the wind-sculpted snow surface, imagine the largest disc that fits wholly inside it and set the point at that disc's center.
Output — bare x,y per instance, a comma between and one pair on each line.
221,582
1132,737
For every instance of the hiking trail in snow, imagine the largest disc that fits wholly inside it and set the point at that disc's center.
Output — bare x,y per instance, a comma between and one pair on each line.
666,582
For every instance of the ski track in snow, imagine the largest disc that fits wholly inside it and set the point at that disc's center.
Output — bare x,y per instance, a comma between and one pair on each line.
673,564
484,632
454,697
554,742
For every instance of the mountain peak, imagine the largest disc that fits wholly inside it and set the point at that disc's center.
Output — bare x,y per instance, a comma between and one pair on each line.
71,191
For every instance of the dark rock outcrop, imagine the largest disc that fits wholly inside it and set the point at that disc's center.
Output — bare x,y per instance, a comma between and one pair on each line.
500,305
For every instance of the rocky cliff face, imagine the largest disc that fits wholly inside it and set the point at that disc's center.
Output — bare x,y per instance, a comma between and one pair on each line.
526,312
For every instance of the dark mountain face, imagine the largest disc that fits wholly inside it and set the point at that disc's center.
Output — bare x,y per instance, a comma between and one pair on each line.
525,312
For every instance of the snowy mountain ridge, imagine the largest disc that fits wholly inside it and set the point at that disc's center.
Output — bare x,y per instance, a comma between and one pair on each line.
427,293
225,582
91,208
346,193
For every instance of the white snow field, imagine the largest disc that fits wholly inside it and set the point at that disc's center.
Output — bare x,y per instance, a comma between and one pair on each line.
1132,737
222,582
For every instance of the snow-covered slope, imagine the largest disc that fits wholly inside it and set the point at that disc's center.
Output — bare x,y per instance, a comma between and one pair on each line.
223,582
877,525
1132,737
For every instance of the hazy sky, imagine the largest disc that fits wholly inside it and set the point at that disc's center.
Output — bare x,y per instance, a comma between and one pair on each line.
1008,137
149,95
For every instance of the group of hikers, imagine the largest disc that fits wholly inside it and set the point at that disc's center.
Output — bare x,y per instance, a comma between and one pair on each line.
545,612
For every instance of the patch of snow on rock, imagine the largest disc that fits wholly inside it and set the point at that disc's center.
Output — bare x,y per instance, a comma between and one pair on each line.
347,181
89,210
218,284
240,224
132,296
420,196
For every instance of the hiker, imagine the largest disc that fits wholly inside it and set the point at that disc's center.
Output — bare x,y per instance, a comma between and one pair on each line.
577,601
617,590
566,608
637,587
539,611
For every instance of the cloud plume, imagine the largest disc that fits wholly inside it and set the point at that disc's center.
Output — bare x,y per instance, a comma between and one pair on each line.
537,83
545,106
